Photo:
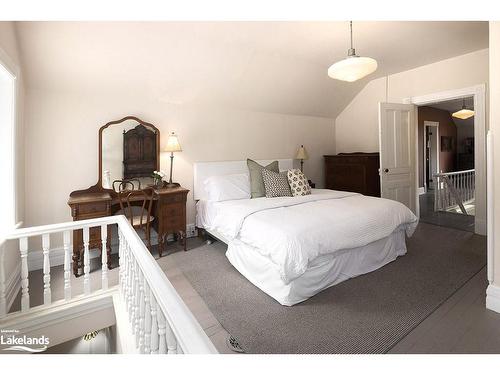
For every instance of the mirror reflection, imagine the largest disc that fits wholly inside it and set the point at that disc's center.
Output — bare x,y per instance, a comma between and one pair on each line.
128,153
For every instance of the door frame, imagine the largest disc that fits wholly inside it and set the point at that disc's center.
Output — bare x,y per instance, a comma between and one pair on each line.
478,92
429,124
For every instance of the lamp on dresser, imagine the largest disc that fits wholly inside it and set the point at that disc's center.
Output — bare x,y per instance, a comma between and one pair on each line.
302,155
173,145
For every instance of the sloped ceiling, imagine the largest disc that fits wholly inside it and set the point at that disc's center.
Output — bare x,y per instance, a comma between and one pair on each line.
277,67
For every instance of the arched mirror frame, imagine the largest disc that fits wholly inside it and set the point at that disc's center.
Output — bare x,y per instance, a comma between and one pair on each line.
139,121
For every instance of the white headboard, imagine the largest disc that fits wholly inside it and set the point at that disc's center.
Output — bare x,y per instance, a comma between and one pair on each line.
205,169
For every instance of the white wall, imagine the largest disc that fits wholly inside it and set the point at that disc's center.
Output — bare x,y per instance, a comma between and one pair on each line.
62,139
9,54
356,128
495,128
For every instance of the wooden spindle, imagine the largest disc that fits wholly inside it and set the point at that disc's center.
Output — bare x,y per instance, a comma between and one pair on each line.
171,340
25,295
47,294
67,265
147,319
154,324
121,262
86,261
104,257
162,343
3,297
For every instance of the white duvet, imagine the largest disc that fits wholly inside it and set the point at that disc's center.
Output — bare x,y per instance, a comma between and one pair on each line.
294,231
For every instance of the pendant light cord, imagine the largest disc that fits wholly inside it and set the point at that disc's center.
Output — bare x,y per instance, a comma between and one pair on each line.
352,51
350,26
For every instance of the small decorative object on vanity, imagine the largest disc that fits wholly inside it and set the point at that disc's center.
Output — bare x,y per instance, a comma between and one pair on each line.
158,178
302,155
172,146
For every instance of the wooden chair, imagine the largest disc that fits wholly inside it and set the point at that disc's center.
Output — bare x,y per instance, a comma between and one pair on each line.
126,184
142,219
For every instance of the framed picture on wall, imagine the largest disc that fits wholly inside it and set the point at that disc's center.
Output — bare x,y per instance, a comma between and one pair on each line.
447,143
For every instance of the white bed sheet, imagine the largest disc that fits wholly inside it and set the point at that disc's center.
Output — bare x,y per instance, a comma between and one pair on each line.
321,274
323,271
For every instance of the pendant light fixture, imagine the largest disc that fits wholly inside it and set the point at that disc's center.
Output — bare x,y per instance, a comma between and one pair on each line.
464,113
353,67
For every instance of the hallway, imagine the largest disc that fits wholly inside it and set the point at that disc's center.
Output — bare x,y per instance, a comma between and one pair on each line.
443,218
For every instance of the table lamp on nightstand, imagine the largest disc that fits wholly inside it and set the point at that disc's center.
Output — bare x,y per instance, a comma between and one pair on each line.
172,146
302,155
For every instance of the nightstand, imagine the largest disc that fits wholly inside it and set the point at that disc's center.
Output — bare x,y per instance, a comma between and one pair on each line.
311,184
170,215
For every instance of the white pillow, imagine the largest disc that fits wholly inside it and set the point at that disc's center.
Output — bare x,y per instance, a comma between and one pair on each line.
228,187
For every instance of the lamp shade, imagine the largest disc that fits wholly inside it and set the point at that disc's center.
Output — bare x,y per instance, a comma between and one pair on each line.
173,144
352,68
463,114
302,153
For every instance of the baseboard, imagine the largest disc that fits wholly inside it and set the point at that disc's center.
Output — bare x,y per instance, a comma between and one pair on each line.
493,298
13,286
480,227
421,190
56,255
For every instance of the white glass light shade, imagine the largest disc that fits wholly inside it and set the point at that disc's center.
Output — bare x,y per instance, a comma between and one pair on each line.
173,144
352,68
463,114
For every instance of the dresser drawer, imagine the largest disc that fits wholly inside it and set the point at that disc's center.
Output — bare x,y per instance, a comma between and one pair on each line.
173,209
174,198
98,208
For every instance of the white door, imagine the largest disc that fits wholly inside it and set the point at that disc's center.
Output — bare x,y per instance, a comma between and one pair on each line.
397,153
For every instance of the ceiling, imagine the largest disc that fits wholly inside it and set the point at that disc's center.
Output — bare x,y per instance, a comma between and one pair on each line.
456,105
278,67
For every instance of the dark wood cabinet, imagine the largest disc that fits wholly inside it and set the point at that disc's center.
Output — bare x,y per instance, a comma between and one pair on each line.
139,152
357,172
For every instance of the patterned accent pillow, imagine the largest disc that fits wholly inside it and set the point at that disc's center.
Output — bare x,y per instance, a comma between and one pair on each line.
276,184
298,183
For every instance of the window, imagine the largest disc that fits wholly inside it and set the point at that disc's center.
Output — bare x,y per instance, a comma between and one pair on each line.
7,151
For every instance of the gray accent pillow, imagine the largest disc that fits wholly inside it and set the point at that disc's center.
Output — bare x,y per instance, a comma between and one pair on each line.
276,184
256,183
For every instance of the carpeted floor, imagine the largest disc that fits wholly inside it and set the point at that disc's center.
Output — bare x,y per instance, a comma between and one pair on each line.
367,314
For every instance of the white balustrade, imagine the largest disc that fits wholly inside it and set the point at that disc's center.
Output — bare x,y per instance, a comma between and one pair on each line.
159,320
86,261
47,293
67,265
454,190
25,297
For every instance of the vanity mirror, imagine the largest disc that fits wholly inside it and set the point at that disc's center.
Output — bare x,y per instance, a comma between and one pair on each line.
128,150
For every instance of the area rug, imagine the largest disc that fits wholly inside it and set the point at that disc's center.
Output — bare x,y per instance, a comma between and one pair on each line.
367,314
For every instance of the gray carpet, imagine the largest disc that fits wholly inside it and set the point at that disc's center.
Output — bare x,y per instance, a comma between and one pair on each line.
367,314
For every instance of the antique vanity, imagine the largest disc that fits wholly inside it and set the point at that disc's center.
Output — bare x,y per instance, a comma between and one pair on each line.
129,149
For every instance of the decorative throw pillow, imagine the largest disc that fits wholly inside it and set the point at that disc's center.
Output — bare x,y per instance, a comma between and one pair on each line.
257,187
298,183
276,184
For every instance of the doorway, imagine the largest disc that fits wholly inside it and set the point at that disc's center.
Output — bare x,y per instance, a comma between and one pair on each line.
430,154
473,151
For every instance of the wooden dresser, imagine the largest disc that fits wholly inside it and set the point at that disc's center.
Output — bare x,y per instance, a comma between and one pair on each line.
169,211
357,172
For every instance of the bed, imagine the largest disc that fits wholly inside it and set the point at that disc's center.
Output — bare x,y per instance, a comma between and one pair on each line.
294,247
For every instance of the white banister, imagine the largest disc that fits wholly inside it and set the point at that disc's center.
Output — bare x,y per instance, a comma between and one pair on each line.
104,257
86,261
47,293
67,265
454,190
25,296
158,318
